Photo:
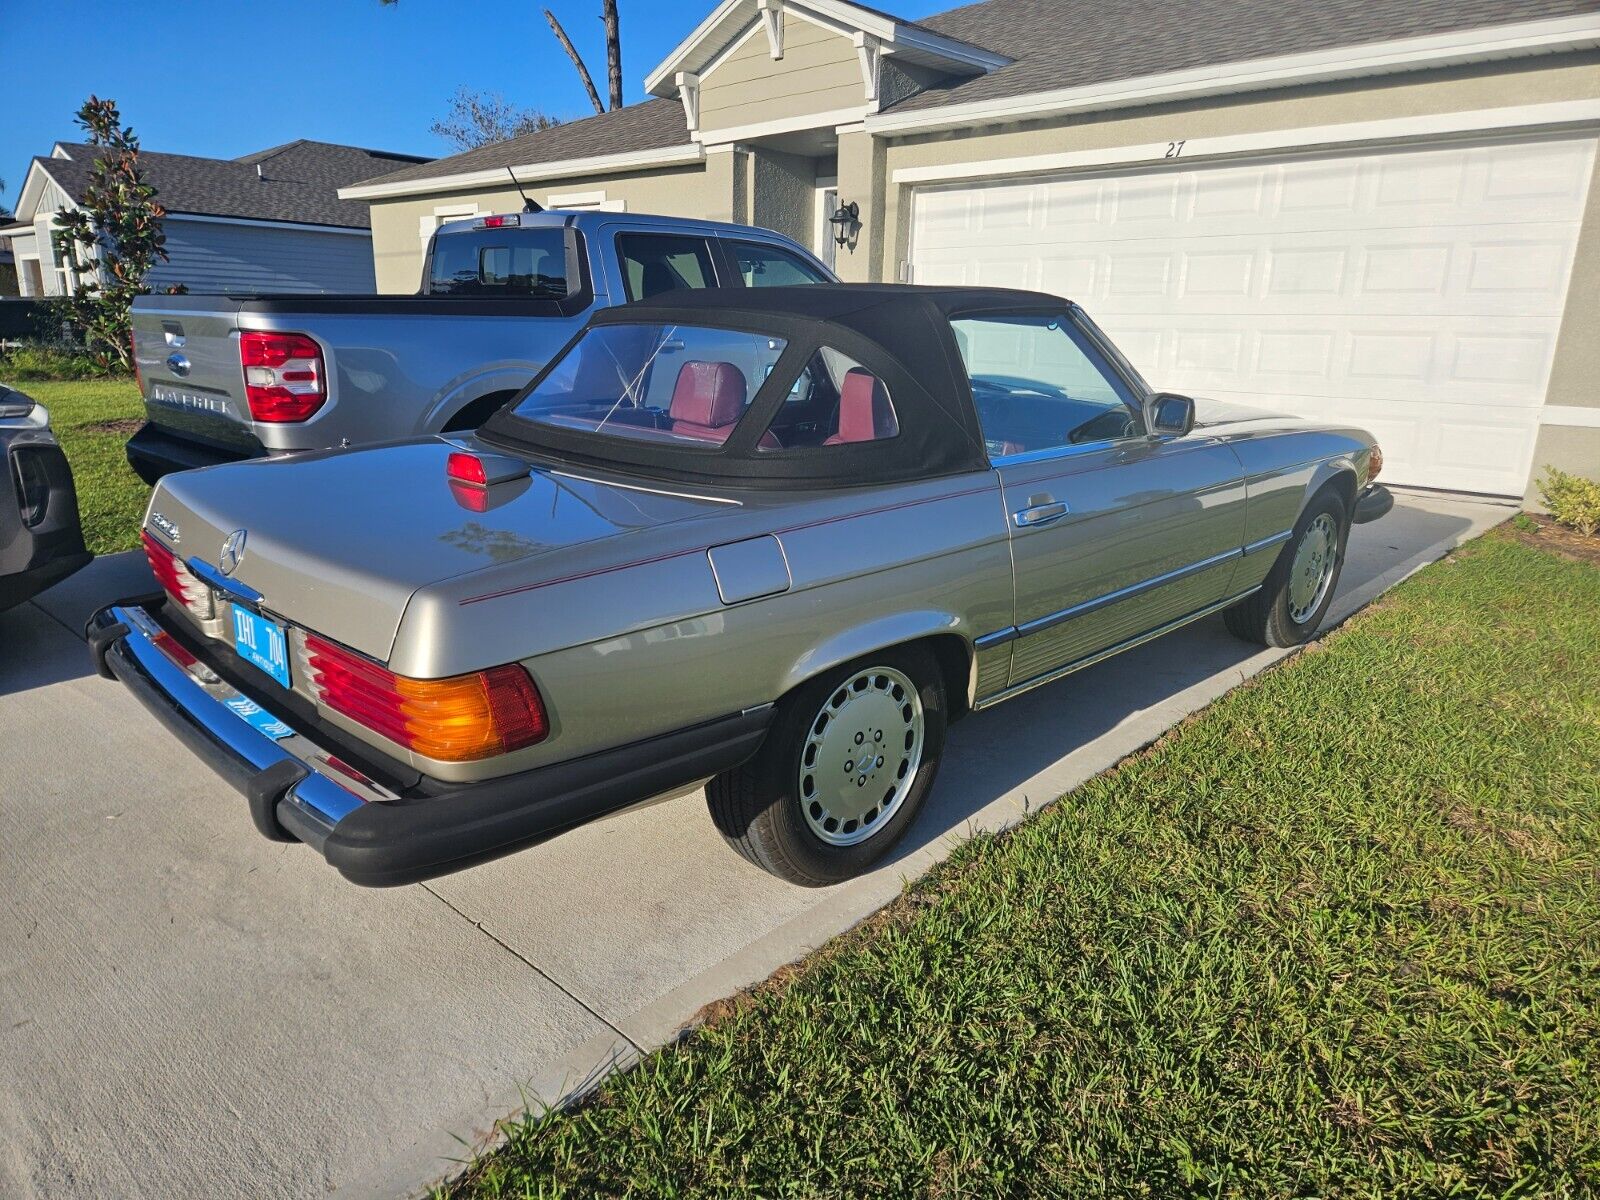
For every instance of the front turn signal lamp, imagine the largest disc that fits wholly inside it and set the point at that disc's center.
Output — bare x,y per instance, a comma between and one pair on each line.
460,719
1374,462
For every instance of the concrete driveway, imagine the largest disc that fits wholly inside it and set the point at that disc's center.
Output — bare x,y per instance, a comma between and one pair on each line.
187,1009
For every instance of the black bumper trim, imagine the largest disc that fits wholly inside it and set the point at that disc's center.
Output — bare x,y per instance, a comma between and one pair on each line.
1373,503
153,452
385,844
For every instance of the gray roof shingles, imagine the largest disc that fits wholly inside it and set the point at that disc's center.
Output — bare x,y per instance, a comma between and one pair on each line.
650,125
298,182
1058,44
1071,43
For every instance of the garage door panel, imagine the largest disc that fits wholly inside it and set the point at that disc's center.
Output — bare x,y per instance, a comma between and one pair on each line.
1452,359
1547,183
1418,291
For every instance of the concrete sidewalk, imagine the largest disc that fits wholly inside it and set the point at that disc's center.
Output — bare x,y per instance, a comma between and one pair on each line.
187,1009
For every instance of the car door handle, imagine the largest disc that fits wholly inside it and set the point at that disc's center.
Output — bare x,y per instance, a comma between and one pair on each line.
1040,514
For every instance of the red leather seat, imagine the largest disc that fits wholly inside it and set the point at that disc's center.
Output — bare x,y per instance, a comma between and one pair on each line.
865,414
708,400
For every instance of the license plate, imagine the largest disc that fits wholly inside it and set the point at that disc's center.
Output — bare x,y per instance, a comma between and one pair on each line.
258,718
261,644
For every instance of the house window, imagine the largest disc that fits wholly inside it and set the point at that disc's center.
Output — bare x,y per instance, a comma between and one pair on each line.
441,215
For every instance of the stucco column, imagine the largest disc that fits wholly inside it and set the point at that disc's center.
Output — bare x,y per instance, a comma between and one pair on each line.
728,184
862,178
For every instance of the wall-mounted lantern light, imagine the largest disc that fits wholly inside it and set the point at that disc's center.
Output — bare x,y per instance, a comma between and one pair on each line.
846,220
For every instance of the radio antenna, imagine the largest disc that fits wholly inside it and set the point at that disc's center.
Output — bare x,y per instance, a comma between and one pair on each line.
528,206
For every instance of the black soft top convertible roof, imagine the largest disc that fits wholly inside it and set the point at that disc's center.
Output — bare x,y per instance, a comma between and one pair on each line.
899,332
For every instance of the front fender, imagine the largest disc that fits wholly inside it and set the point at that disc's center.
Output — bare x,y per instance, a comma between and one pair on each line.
877,634
1350,466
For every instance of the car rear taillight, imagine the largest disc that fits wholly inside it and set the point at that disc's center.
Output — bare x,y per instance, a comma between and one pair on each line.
466,468
174,577
459,719
284,376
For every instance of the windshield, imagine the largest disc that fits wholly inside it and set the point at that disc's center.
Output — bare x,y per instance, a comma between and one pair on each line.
499,262
668,383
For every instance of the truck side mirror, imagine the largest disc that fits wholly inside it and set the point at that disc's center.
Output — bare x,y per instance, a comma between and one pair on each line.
1171,415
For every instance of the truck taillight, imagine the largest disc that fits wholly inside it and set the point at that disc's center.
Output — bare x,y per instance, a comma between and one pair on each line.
284,376
174,577
459,719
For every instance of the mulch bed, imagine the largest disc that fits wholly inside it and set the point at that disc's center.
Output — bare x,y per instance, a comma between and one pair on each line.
1555,538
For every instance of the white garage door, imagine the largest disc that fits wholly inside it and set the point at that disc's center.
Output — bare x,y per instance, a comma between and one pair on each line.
1417,293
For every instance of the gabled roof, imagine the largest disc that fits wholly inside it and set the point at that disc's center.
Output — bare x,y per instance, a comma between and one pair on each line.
297,182
1059,44
915,42
636,128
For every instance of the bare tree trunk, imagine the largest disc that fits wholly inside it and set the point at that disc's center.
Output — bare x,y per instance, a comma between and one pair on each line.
572,53
608,9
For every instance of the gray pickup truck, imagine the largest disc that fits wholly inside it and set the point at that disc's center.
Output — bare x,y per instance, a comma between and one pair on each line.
234,377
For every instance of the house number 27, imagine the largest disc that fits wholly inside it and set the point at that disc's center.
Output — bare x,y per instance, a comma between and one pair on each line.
1174,149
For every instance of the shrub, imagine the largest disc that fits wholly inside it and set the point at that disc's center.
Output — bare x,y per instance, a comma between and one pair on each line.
40,361
1572,500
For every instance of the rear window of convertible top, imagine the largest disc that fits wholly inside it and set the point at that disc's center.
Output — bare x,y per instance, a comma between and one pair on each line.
674,384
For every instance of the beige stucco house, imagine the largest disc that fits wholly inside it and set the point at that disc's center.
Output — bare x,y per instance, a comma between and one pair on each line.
1380,209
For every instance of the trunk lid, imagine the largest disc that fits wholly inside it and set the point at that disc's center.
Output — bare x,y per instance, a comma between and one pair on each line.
337,542
187,352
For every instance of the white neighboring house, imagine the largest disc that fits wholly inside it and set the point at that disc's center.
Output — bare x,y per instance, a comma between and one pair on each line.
271,221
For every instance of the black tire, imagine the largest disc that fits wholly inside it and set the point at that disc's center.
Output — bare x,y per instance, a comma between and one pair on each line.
1265,617
757,806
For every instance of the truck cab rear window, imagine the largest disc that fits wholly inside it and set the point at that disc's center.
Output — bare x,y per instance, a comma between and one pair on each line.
499,262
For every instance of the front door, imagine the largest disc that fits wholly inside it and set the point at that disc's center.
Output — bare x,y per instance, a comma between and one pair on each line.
1113,533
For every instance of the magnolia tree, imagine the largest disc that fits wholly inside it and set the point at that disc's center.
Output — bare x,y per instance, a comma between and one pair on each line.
111,240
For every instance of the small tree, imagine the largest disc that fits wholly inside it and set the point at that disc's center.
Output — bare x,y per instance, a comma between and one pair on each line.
111,240
479,118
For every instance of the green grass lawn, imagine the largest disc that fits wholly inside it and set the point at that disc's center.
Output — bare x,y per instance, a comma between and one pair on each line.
1337,935
93,420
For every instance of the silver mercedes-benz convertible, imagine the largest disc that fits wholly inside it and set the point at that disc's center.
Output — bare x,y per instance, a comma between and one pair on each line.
774,539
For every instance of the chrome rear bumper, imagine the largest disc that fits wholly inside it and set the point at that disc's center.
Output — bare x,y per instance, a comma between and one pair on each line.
299,790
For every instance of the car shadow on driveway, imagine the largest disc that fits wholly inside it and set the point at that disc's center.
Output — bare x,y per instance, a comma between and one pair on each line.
35,651
41,642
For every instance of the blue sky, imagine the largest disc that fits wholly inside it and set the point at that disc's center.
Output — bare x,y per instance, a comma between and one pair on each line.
223,78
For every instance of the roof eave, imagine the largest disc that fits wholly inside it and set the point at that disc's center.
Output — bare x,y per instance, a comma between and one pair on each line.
638,160
1458,47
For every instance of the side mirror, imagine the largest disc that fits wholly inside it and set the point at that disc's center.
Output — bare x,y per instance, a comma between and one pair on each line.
1171,415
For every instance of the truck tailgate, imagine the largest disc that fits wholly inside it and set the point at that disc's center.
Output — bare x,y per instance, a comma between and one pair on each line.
187,352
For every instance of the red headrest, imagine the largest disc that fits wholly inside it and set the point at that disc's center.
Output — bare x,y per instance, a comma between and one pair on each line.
709,394
865,413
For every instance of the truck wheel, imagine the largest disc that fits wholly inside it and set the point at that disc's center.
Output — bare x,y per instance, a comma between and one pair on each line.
843,772
1295,597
